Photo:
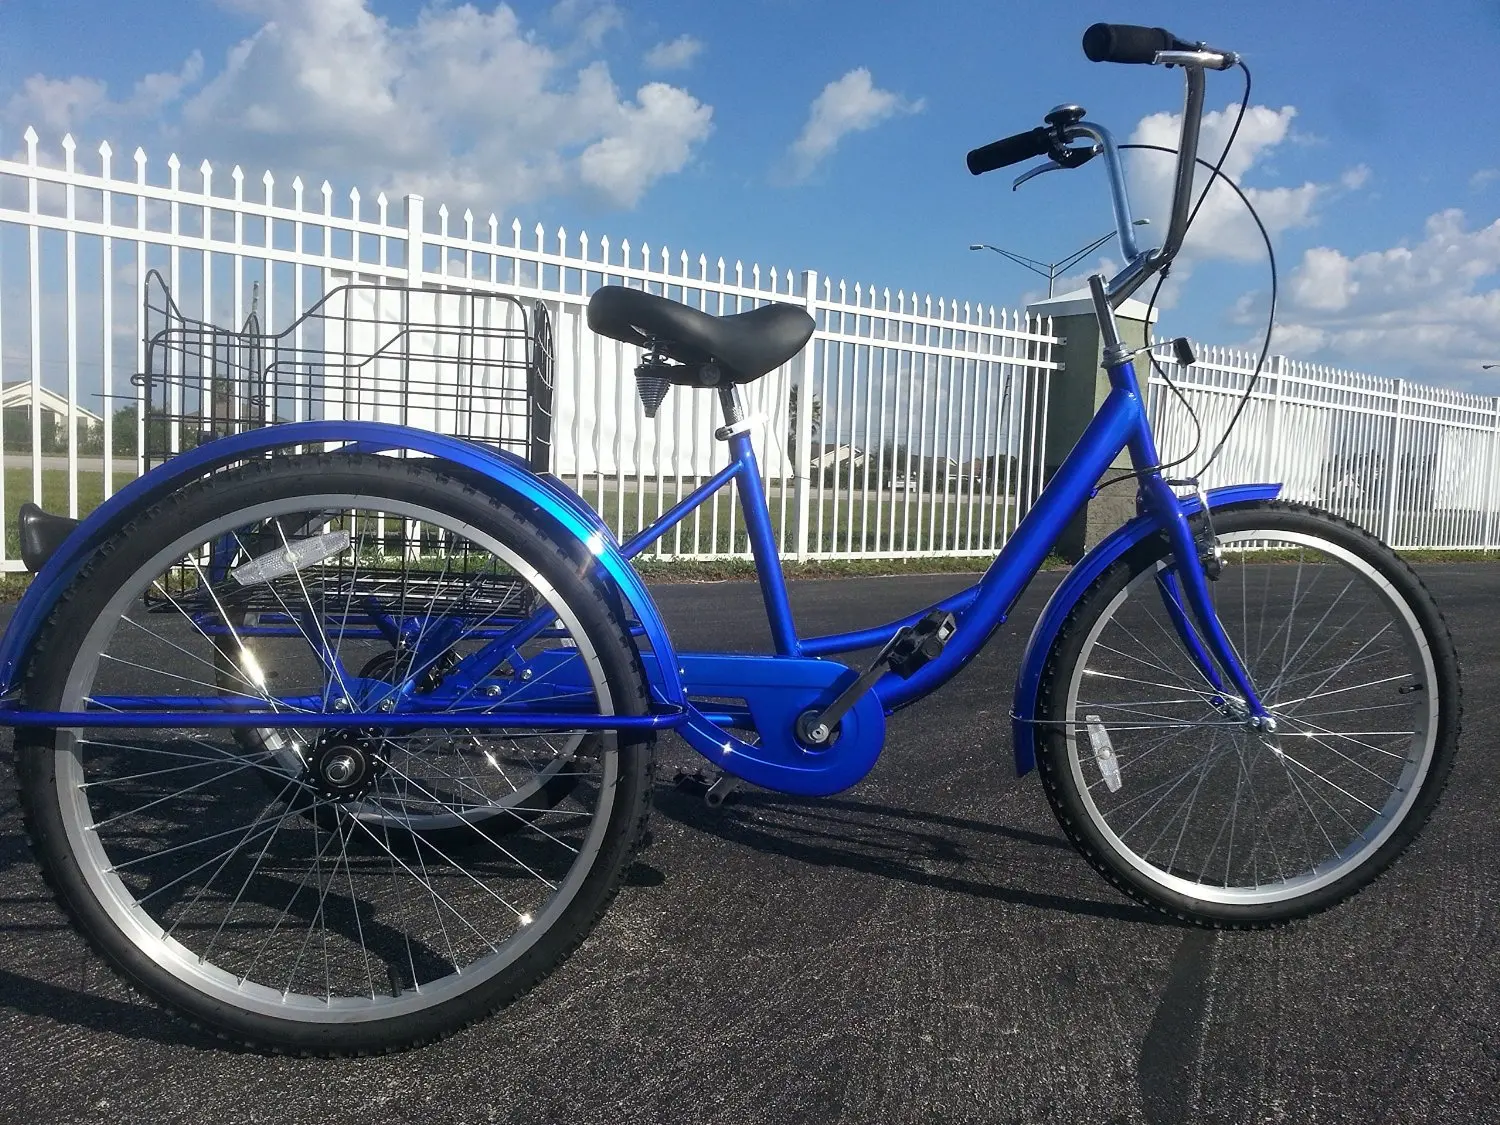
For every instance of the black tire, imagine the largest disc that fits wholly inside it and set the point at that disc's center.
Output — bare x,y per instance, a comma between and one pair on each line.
1161,883
626,765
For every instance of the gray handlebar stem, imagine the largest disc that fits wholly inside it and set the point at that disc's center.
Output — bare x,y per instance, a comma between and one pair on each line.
1187,156
1142,264
1124,222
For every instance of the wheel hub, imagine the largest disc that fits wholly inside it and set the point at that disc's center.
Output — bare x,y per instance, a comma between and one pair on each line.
344,766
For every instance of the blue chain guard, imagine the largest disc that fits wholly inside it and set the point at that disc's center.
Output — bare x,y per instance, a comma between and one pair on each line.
765,694
777,690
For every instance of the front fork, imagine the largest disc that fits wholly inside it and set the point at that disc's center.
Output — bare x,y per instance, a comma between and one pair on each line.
1207,645
1197,623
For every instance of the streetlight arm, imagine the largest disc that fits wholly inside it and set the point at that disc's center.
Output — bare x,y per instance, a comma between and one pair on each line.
1043,268
1079,255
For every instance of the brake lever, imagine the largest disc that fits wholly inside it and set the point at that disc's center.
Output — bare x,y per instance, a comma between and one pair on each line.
1033,173
1062,157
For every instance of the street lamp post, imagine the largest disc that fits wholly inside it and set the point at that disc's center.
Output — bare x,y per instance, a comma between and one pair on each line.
1052,270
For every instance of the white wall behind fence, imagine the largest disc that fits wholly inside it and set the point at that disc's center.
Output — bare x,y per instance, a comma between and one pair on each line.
1415,464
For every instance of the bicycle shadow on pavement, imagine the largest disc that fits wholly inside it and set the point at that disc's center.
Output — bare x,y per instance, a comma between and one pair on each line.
879,840
130,1019
44,947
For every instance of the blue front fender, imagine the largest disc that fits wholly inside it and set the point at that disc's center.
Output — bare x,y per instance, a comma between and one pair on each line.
550,499
1079,579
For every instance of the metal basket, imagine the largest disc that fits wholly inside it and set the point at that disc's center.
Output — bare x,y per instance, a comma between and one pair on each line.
456,361
472,364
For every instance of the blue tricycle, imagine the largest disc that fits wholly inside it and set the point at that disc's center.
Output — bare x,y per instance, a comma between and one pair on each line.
336,735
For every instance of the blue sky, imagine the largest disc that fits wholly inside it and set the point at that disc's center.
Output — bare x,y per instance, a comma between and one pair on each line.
831,136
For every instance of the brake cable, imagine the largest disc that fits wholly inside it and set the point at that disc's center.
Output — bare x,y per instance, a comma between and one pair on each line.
1216,173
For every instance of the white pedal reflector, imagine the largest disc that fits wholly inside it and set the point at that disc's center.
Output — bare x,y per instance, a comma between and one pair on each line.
296,556
1104,753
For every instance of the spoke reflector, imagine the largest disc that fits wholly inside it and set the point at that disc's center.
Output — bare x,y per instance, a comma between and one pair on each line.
295,556
1104,753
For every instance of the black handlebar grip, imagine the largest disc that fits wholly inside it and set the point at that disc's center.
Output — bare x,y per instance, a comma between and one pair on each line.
1127,43
1011,150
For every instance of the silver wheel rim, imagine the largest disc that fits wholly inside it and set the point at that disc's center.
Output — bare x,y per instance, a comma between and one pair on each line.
183,963
1324,800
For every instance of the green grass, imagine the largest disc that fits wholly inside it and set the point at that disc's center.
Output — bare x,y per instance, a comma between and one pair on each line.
867,523
729,570
18,490
55,488
921,522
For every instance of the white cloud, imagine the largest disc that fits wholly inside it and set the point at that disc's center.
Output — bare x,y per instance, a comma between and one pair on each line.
1323,280
60,105
1423,306
589,20
1355,178
847,105
1223,228
680,52
463,104
1484,178
657,133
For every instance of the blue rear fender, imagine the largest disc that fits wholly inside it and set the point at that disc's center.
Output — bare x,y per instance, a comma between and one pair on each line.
1079,579
563,511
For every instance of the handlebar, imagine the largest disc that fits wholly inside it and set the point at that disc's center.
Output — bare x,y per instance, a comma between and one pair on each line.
1127,43
1123,43
1011,150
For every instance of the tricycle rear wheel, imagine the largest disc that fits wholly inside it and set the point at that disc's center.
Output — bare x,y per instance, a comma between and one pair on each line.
336,932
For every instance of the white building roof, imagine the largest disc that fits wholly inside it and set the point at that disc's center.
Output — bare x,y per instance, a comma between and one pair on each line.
19,393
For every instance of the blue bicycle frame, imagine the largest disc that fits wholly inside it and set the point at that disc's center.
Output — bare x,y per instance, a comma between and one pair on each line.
778,691
1121,424
775,695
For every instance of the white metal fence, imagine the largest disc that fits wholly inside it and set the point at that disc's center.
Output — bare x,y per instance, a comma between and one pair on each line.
917,440
923,418
1415,464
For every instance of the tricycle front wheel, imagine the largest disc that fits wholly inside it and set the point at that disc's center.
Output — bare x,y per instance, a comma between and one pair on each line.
1167,787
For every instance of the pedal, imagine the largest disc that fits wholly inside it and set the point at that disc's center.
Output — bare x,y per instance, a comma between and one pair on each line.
910,649
695,784
918,645
714,790
721,790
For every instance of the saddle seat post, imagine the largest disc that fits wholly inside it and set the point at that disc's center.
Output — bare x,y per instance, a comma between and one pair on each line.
762,536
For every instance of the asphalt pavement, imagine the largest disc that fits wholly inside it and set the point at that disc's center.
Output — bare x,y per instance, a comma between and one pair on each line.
924,948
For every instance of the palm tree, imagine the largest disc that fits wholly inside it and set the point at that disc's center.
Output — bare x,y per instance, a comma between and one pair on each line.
815,425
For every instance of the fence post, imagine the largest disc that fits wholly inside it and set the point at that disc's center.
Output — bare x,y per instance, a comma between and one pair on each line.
414,235
1392,465
802,455
1272,446
1489,479
1075,393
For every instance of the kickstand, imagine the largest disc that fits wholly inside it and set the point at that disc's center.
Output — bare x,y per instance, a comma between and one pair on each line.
714,790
